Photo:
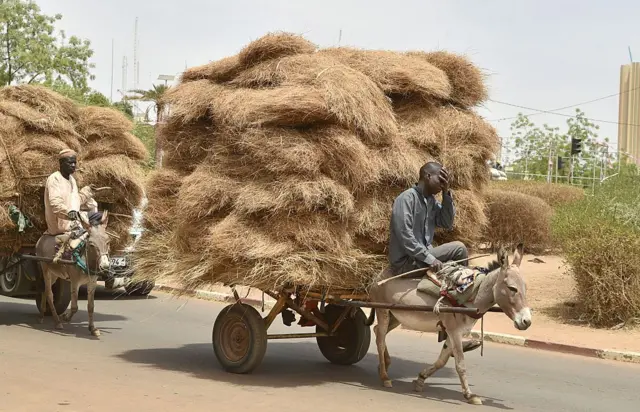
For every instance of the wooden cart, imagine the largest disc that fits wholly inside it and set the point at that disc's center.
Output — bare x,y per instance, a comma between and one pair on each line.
240,333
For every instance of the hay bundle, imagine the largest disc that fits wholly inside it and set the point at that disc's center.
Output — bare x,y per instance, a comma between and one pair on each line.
284,163
35,125
516,217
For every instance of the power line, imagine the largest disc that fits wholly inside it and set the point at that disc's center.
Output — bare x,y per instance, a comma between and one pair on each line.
562,114
567,107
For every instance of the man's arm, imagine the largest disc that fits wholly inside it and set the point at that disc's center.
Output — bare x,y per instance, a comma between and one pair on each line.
445,212
56,199
402,225
87,202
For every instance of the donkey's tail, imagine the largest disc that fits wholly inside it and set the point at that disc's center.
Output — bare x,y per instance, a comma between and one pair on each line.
371,318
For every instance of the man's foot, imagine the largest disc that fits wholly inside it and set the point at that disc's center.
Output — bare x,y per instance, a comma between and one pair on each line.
468,346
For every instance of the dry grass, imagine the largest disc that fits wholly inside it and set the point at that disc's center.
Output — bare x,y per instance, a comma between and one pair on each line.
467,81
219,71
101,122
186,145
160,214
516,217
352,98
121,174
395,73
272,46
35,120
471,221
126,145
43,100
552,193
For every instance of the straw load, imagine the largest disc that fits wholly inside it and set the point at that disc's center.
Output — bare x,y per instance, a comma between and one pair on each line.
282,162
35,125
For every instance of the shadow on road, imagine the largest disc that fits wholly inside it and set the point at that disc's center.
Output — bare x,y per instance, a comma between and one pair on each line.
24,313
295,364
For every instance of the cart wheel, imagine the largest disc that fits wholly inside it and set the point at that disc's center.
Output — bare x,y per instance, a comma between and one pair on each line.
61,297
239,338
352,339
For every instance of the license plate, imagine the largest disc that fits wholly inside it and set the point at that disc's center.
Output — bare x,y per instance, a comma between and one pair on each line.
118,262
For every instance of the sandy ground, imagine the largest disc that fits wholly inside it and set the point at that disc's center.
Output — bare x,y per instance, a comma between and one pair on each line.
549,290
155,355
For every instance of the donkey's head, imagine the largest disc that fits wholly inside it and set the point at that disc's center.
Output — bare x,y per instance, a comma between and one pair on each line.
510,289
97,241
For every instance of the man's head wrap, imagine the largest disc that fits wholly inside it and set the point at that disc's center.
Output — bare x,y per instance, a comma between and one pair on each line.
66,153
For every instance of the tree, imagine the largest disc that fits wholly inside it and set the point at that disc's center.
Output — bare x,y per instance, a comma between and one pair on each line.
534,148
156,96
32,52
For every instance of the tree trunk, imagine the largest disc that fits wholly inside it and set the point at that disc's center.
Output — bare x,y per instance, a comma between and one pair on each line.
159,151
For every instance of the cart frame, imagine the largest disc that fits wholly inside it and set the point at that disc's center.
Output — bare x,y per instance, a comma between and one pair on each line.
240,335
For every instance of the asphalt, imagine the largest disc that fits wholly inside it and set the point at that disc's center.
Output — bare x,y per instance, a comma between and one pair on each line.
155,354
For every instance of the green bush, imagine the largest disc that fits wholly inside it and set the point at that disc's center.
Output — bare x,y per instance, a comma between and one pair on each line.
600,238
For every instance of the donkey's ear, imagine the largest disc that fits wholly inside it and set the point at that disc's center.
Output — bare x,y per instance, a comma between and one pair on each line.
517,254
503,258
105,218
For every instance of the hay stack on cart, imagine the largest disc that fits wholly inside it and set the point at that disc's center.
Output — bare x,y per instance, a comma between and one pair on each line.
35,125
281,163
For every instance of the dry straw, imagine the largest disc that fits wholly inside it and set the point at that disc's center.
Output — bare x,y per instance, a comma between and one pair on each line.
516,217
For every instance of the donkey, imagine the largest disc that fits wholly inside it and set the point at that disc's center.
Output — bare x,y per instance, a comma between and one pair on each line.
503,285
96,255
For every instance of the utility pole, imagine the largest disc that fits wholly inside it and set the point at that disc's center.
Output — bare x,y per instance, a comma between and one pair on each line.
111,91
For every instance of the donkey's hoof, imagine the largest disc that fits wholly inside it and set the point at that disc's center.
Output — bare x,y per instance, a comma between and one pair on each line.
474,400
40,320
66,317
59,326
387,383
418,386
95,332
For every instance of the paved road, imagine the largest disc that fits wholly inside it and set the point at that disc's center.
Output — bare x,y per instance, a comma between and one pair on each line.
155,355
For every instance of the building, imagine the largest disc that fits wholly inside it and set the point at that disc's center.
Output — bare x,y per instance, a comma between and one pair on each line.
629,113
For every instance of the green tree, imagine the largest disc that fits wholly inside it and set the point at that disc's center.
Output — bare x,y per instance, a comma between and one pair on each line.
31,51
154,95
534,148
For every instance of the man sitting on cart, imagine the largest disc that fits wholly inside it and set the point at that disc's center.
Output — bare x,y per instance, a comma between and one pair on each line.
415,215
63,201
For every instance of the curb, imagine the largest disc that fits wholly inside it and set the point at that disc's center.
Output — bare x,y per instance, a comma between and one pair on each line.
502,338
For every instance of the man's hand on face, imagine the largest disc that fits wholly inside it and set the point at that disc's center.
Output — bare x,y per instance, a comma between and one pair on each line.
73,215
436,265
444,179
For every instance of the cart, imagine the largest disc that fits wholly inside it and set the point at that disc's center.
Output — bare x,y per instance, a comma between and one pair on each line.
240,333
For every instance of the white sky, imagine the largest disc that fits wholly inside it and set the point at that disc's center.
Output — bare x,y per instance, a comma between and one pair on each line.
538,53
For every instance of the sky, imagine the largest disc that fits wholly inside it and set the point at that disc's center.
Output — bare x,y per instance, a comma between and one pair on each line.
538,54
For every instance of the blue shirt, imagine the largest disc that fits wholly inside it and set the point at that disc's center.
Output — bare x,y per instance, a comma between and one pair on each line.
414,219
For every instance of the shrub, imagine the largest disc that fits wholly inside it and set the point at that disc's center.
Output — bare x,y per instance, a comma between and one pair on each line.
515,217
600,238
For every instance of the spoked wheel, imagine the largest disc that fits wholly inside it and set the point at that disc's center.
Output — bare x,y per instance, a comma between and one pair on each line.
239,338
352,339
61,297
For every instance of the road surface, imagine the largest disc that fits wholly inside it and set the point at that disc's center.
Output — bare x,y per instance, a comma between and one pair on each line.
155,354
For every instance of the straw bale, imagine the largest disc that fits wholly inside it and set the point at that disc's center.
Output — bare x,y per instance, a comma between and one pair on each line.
461,127
470,222
395,73
272,46
121,174
101,122
400,164
467,81
127,145
186,145
516,217
353,99
42,99
6,224
467,166
219,71
163,186
33,119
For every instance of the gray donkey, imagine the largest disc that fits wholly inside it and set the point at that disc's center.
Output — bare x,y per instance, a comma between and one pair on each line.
504,286
96,256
